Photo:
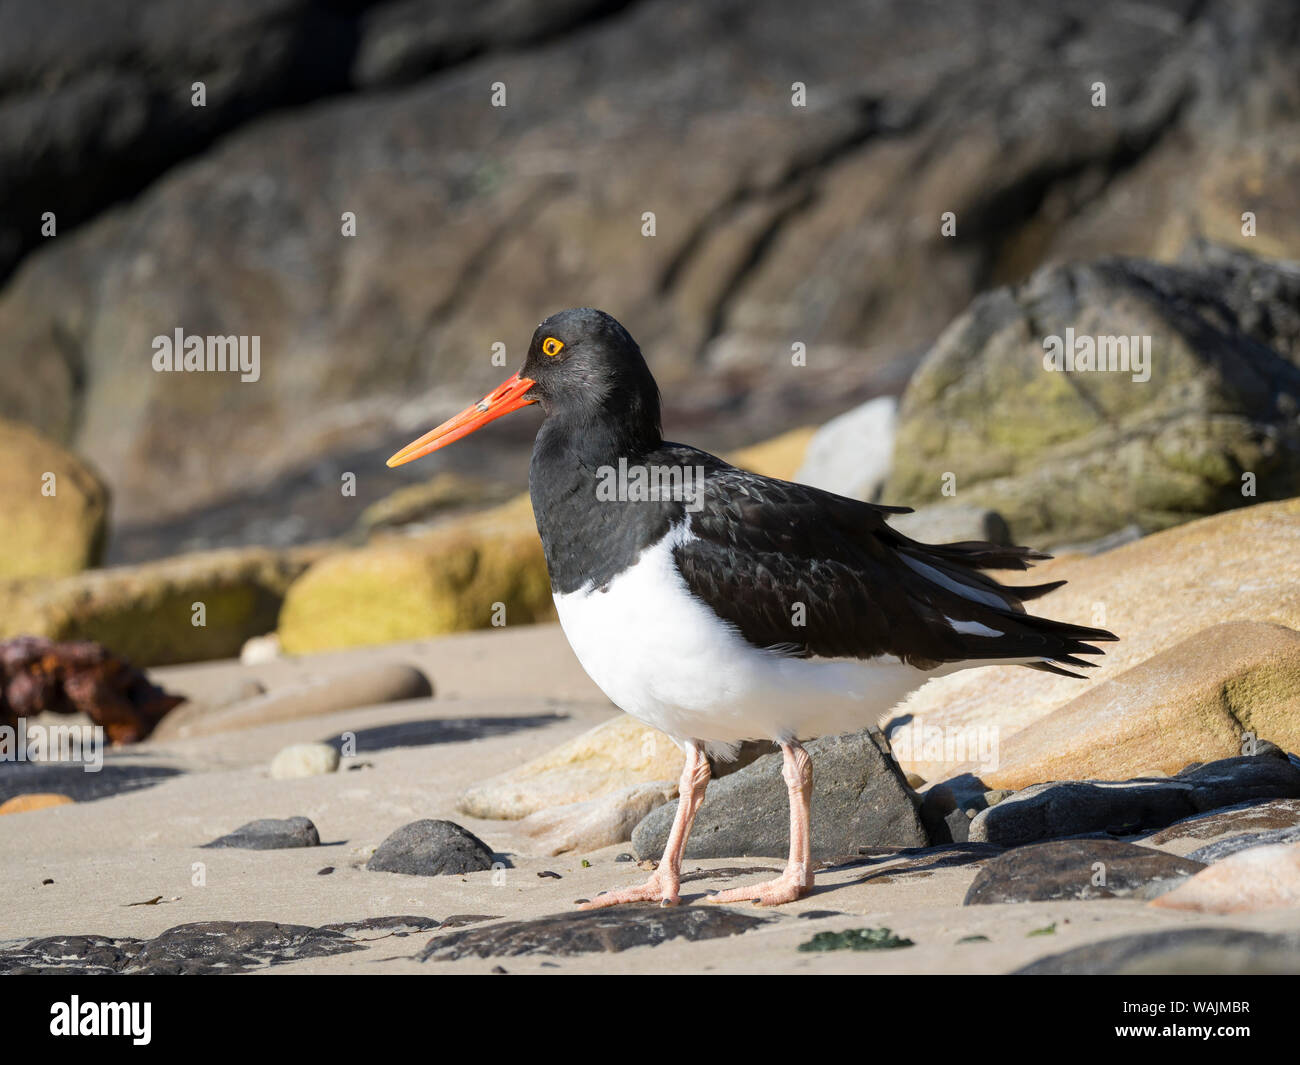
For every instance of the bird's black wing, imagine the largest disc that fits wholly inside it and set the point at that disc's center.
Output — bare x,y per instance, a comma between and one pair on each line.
812,574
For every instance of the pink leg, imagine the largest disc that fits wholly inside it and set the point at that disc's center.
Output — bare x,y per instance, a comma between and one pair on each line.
797,880
666,881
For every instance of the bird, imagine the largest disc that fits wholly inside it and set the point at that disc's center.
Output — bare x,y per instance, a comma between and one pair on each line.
720,606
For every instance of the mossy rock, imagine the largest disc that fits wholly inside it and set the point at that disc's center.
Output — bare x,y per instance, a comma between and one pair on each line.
475,572
147,614
55,514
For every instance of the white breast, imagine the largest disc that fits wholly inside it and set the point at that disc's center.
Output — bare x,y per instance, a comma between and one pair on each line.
666,658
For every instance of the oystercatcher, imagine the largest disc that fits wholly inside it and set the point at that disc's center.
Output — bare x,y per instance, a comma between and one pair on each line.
720,606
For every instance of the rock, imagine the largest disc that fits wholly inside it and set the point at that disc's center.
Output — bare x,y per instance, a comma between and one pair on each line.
1245,817
948,807
304,760
146,613
1077,869
1225,848
72,780
55,518
599,822
1179,951
593,932
431,848
41,800
622,753
779,457
269,834
260,649
860,799
1091,453
429,499
950,523
204,947
1073,807
1151,593
373,685
1189,703
482,570
1258,878
851,455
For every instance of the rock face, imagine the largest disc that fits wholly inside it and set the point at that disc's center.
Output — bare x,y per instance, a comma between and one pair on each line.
147,613
487,569
270,834
1072,807
859,799
1069,456
1258,878
827,215
55,516
1152,593
598,931
1078,869
431,848
619,754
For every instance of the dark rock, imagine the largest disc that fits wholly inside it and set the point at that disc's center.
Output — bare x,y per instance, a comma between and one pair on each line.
594,931
1222,848
1074,807
860,798
205,947
1179,951
1243,817
438,730
17,778
948,807
431,848
269,834
920,861
1078,869
459,920
403,923
855,939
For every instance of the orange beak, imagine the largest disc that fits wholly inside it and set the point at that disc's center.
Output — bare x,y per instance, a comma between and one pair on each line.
507,396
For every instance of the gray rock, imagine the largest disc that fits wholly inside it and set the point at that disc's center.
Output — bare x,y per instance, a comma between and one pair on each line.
860,799
850,455
431,848
1075,807
1222,848
270,834
593,931
1243,817
950,523
1179,951
1078,869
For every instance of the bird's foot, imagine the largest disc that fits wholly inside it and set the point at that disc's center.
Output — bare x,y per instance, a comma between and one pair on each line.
656,889
790,885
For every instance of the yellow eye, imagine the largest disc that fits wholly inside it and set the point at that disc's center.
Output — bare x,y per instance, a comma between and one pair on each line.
551,346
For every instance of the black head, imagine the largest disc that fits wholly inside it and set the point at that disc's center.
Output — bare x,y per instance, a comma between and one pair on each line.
589,370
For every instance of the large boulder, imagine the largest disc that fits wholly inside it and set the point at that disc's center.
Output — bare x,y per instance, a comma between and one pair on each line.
1155,593
1206,422
55,513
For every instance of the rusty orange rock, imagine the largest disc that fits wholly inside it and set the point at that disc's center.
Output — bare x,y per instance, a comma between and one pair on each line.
36,800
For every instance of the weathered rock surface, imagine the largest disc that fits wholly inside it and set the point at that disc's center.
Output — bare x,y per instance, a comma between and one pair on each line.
1179,951
1069,456
1074,807
55,515
1078,869
304,760
1226,848
1254,879
860,799
595,931
270,834
1248,818
1153,594
431,848
343,690
619,754
599,822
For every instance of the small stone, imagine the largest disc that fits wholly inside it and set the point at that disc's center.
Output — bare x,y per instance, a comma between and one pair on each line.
304,760
271,834
21,804
431,848
326,871
260,649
